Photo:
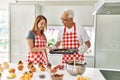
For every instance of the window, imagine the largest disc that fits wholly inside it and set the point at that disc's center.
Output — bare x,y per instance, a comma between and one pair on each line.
52,33
4,36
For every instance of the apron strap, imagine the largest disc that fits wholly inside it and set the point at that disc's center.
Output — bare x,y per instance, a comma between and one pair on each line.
74,28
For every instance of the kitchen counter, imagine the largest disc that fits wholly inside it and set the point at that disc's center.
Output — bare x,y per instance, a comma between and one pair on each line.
92,73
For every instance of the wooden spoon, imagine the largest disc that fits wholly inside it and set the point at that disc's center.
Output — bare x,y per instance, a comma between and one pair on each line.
74,61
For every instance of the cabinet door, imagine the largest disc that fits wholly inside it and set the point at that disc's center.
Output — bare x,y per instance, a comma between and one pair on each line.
21,19
55,59
83,14
90,61
107,44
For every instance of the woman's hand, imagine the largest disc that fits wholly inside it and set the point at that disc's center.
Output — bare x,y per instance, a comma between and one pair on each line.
51,48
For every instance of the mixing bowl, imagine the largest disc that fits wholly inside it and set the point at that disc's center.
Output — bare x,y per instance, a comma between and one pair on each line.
77,68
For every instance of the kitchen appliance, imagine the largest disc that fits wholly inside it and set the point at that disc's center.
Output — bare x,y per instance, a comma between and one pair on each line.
107,42
77,68
107,7
111,74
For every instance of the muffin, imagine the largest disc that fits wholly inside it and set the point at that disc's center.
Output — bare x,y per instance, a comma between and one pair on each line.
20,62
1,69
0,65
33,69
49,66
30,64
57,77
40,64
42,68
5,65
30,74
53,70
11,70
20,66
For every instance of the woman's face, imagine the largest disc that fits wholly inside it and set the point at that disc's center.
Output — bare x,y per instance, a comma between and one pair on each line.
42,24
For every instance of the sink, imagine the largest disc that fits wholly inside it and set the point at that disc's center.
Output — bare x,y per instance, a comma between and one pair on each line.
111,75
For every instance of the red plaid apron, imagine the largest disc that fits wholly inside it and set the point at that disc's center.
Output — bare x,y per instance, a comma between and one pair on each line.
70,40
37,57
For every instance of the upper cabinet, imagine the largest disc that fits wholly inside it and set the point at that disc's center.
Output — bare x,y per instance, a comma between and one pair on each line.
107,7
59,2
83,14
52,9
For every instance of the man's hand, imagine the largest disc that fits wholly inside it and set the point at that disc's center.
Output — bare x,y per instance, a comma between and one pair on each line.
83,48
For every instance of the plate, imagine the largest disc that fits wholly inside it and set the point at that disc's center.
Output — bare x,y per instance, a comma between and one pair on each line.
64,51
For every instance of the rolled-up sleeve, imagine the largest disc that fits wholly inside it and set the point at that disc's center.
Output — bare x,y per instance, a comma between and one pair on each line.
30,35
85,36
82,34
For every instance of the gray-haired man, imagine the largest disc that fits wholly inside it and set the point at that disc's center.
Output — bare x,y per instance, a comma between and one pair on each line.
72,36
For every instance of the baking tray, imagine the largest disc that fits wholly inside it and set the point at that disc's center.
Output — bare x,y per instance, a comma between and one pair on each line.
64,51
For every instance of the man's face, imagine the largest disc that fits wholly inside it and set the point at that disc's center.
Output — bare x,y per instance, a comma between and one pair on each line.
65,20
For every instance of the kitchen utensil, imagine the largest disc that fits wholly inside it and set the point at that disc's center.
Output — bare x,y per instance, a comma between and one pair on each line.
74,61
64,51
78,68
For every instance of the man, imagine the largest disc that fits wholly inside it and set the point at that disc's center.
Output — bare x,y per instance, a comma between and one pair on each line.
72,36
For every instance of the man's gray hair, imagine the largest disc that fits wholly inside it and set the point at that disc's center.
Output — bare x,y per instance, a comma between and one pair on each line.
70,13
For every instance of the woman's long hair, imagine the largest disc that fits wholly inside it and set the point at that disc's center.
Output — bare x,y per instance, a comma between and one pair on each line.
35,26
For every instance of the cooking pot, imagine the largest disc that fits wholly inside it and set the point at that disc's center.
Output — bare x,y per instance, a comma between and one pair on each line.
75,67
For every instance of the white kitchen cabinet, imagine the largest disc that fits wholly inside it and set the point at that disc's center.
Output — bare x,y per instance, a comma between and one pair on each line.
83,14
107,44
56,59
90,61
52,9
21,19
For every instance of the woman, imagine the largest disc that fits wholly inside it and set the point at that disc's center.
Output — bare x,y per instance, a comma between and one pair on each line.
37,42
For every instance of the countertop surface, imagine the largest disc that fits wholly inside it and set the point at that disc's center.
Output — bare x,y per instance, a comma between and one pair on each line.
92,73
